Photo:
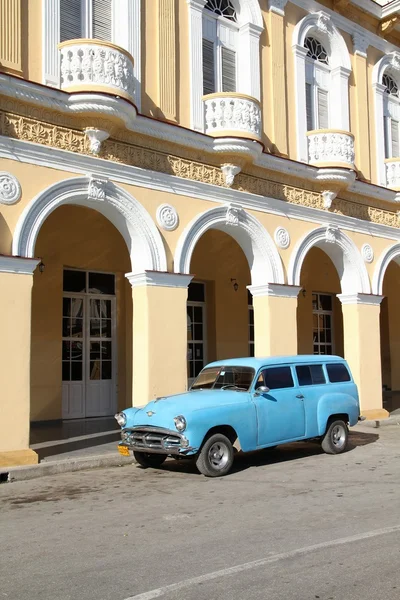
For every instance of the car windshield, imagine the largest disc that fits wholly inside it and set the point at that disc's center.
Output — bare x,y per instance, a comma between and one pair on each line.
224,377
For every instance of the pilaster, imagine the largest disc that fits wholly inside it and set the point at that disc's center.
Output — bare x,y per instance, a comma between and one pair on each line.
277,80
362,137
11,35
167,59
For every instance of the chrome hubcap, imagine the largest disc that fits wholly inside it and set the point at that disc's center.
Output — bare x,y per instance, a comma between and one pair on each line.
339,436
218,455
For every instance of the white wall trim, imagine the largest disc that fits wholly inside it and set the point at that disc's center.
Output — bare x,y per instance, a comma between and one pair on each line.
368,299
275,290
263,258
391,253
154,278
127,33
50,40
70,162
141,235
18,265
342,251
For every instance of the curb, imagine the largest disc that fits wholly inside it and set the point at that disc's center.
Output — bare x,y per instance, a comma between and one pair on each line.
393,420
25,473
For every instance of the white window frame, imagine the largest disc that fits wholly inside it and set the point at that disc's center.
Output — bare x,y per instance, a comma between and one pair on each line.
316,72
126,33
389,64
218,24
330,313
248,79
321,26
204,341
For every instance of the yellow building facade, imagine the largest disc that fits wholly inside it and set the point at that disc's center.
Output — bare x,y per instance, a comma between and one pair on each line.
190,180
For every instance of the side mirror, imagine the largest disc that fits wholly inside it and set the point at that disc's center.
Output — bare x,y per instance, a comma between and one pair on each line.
263,389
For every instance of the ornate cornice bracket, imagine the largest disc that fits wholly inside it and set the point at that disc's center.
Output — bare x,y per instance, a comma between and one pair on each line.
328,198
360,44
277,6
96,137
97,188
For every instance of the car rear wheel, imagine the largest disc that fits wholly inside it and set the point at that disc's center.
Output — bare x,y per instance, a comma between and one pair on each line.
149,460
216,456
336,438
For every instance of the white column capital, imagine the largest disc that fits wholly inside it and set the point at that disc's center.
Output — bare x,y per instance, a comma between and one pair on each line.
274,290
18,265
278,6
368,299
157,278
197,4
360,44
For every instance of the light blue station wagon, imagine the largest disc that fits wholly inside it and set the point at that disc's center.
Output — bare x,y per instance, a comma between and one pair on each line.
250,403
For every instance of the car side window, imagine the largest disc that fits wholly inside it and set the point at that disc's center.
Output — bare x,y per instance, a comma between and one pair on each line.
310,375
276,378
338,373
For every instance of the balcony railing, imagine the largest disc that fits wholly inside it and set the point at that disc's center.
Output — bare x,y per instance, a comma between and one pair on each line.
232,115
96,66
393,173
331,148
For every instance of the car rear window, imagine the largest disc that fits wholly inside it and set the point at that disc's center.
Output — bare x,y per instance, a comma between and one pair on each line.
310,374
278,378
338,373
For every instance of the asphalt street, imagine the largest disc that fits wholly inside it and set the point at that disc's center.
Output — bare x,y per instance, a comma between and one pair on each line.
289,524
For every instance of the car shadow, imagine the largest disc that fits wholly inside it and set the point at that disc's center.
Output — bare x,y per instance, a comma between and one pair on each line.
280,454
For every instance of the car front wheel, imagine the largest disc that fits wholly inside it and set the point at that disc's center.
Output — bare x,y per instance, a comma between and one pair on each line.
149,460
216,456
336,438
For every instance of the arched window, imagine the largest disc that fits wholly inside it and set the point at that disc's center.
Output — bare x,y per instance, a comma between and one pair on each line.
220,38
317,84
391,117
86,19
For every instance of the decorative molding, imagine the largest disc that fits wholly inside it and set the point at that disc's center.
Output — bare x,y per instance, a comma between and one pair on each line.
278,6
282,238
328,197
341,250
233,215
18,265
167,217
331,148
275,290
159,279
232,115
97,188
368,299
96,137
10,188
230,171
139,231
367,253
360,44
389,254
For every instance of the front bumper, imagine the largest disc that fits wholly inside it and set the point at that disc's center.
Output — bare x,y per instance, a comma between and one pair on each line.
156,440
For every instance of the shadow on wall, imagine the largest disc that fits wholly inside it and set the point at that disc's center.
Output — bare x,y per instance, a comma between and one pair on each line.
5,237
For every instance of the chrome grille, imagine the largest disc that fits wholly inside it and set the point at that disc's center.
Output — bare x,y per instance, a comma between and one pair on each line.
143,438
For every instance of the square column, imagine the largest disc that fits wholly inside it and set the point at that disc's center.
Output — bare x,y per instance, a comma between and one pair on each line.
362,349
275,319
159,335
16,280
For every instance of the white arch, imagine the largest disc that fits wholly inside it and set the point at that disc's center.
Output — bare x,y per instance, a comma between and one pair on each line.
248,12
261,253
142,237
391,253
391,63
341,250
320,25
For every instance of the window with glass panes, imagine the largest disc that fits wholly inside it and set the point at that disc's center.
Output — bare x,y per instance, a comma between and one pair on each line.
251,322
391,117
196,329
317,85
220,33
322,323
85,19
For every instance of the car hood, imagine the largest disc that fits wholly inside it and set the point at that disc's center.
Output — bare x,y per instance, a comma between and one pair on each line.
161,412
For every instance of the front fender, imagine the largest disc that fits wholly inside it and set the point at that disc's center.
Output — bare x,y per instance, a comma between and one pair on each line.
335,404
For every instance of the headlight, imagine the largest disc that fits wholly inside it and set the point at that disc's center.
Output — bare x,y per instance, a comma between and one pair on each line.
121,419
180,423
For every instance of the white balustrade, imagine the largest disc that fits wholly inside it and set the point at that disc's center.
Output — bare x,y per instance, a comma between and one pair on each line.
331,148
393,173
94,65
232,115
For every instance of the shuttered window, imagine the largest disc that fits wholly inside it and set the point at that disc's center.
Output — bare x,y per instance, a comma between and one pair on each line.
309,109
70,19
323,115
208,67
228,70
394,130
102,19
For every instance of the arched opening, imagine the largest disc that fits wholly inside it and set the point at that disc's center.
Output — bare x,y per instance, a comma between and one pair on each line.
319,312
81,352
219,306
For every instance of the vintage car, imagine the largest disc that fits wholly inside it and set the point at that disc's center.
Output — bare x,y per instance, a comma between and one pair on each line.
249,403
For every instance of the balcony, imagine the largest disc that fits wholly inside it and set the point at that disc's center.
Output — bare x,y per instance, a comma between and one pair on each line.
232,115
96,66
393,173
331,148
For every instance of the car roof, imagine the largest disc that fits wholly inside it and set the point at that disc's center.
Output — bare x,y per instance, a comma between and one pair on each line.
257,363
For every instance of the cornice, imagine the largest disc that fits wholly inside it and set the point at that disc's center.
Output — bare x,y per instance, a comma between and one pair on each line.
158,279
18,265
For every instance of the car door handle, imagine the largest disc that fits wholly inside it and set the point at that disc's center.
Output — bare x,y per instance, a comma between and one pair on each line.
300,396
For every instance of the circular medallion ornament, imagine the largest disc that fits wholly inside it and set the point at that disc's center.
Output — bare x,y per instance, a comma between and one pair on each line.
10,188
167,217
282,238
367,253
